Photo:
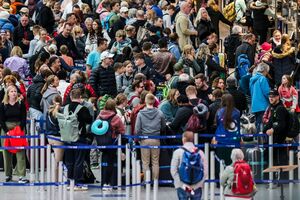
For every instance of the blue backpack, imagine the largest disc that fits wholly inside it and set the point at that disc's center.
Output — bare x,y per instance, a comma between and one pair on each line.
191,170
243,65
105,22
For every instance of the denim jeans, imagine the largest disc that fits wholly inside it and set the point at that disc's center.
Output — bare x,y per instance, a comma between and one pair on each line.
183,195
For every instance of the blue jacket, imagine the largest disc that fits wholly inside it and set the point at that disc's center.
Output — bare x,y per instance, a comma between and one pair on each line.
5,24
223,135
157,10
259,90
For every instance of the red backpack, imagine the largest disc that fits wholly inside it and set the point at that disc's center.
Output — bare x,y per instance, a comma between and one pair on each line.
243,181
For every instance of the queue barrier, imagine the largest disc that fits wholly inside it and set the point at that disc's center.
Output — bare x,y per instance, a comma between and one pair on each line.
39,137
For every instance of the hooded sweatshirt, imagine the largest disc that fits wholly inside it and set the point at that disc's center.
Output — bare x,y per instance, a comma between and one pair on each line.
47,99
150,122
116,123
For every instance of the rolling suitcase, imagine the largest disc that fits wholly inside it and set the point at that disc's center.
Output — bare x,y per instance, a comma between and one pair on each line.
255,158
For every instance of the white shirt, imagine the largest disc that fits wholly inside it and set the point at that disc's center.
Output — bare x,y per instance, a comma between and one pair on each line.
69,8
62,87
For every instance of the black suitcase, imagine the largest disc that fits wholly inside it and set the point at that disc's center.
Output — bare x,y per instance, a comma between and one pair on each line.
164,164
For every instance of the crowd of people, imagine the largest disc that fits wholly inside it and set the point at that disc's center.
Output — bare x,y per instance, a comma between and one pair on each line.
148,68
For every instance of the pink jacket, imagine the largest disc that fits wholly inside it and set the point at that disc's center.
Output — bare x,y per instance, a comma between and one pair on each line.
288,96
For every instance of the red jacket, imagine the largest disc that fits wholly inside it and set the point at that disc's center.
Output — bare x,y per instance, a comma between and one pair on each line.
86,86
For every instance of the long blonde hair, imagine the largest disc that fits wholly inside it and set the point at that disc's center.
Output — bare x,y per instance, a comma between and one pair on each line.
285,42
16,51
6,97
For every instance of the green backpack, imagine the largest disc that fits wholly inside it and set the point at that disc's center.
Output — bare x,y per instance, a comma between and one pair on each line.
69,124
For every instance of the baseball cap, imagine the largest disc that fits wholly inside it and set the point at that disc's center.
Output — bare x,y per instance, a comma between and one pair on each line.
106,54
273,92
123,10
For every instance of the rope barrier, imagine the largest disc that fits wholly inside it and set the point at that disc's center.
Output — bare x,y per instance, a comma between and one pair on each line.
33,184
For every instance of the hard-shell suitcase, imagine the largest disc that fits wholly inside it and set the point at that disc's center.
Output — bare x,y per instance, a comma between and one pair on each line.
255,158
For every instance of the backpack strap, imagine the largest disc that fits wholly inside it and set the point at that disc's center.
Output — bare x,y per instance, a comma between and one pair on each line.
77,109
66,110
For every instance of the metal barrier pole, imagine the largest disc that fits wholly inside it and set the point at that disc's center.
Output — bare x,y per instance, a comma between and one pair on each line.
291,174
221,173
148,184
53,174
271,160
196,139
48,154
119,164
127,171
65,175
212,175
100,167
72,184
133,177
32,170
36,152
138,179
206,185
42,157
60,179
155,189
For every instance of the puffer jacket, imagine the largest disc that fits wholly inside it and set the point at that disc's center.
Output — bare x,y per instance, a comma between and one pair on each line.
283,62
103,81
34,95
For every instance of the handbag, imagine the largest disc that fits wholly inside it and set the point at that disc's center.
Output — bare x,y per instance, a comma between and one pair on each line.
15,142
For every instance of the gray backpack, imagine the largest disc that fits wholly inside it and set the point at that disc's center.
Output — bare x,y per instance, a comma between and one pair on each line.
69,124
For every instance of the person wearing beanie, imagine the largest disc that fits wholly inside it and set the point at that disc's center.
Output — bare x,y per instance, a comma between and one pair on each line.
239,98
265,53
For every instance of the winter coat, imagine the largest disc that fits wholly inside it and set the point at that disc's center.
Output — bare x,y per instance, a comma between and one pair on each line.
181,118
46,19
239,98
216,16
116,123
21,33
5,24
213,66
34,95
259,90
191,68
183,30
279,122
103,81
168,109
205,28
231,43
283,62
260,20
245,48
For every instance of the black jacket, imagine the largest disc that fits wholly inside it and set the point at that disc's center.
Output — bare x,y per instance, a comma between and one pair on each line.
69,42
215,17
231,43
283,63
149,72
119,25
213,108
239,98
103,81
47,20
246,48
212,66
21,33
279,122
34,95
181,118
260,20
205,28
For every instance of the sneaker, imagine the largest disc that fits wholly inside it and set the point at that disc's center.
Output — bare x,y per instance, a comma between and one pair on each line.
106,187
80,188
23,180
8,179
